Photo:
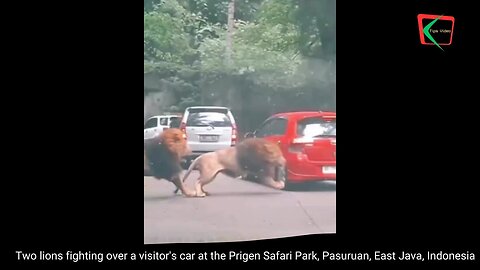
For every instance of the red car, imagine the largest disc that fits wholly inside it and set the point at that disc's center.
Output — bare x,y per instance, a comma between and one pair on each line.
308,142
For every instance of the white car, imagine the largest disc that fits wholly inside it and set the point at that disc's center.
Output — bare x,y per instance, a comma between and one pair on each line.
155,125
208,128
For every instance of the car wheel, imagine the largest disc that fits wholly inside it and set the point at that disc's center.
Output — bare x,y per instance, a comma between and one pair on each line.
288,185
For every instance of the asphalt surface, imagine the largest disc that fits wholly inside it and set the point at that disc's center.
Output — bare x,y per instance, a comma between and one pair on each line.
236,210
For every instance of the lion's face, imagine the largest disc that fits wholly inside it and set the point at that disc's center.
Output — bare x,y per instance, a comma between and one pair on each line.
261,155
272,152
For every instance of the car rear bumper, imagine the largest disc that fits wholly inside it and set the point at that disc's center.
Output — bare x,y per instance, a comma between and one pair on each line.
201,147
301,171
194,154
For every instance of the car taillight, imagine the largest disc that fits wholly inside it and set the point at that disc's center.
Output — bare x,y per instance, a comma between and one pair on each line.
234,134
298,147
298,150
184,130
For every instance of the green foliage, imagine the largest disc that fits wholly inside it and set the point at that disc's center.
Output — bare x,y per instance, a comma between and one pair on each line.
215,11
273,12
317,22
274,43
164,38
264,48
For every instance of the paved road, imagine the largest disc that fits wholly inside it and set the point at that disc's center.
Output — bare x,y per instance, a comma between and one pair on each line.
236,210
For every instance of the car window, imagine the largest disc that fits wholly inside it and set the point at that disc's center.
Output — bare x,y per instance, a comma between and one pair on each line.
151,123
164,121
333,132
204,119
274,127
217,110
315,127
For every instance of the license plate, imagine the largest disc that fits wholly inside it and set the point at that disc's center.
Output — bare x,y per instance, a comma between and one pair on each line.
329,169
208,138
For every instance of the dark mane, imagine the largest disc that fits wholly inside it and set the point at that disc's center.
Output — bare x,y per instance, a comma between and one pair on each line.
163,164
163,154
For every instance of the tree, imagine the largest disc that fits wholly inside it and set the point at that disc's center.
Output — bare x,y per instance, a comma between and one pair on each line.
215,11
280,48
317,22
264,48
230,26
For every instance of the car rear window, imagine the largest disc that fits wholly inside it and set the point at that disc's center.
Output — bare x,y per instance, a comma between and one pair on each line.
204,119
316,127
198,110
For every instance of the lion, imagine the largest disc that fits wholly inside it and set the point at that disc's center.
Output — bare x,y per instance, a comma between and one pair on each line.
163,155
255,156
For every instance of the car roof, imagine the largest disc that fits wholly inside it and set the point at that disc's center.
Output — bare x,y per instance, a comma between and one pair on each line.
166,115
302,114
208,107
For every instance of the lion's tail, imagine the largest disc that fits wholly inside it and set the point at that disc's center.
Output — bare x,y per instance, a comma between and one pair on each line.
190,169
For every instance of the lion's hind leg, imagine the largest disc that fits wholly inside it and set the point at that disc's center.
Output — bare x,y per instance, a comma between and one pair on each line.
207,175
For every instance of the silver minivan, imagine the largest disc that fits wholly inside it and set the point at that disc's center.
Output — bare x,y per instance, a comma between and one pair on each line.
209,128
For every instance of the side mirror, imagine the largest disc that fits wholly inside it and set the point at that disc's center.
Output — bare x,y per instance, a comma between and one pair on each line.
249,135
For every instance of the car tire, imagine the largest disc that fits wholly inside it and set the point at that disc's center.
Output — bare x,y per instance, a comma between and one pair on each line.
288,185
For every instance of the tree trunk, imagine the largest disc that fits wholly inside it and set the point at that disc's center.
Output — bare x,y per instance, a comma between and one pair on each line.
228,52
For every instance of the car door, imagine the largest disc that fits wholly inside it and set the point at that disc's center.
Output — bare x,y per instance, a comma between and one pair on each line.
274,130
150,128
163,124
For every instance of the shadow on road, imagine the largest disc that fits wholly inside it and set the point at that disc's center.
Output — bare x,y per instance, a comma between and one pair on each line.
243,194
320,186
160,198
216,194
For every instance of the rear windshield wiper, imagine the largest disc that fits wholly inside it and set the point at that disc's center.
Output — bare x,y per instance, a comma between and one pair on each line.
208,125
